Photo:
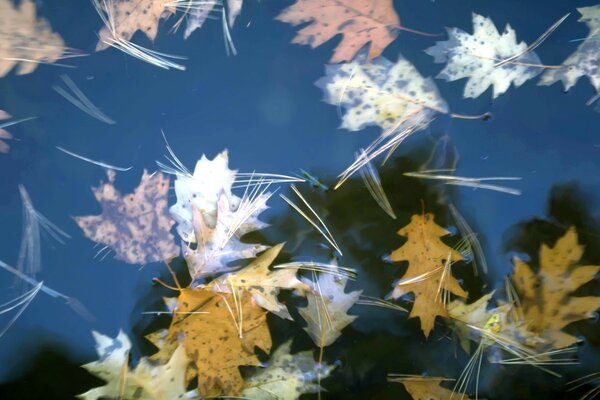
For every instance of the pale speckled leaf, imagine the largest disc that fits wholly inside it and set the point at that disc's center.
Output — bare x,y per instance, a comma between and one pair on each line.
24,37
474,56
196,17
148,381
327,310
382,93
136,226
585,61
361,22
546,296
287,376
234,7
4,134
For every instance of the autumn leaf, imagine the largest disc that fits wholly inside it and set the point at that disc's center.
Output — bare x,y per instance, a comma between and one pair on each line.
135,226
126,17
389,95
26,41
148,381
361,22
264,284
585,60
327,310
219,332
547,296
427,387
478,57
428,275
287,376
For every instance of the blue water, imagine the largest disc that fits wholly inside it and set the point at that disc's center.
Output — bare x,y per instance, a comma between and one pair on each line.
263,107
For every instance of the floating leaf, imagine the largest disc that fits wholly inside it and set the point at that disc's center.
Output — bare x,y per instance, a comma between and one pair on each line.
478,57
4,134
197,14
219,332
234,8
327,310
585,60
428,275
136,226
546,296
287,376
25,40
427,387
382,93
148,381
264,284
361,22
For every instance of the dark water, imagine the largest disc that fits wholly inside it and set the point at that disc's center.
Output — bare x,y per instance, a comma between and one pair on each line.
263,107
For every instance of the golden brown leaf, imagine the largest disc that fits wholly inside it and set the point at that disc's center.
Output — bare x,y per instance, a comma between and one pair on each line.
428,274
546,297
218,337
360,21
427,388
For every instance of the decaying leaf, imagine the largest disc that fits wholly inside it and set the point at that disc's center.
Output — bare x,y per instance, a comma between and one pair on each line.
26,41
4,134
546,296
126,17
428,275
478,57
382,93
148,381
234,7
427,388
136,226
211,219
219,332
264,284
585,60
361,22
327,310
196,15
287,376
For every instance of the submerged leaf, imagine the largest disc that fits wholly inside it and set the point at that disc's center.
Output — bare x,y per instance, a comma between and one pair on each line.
26,41
428,275
427,388
546,296
477,56
361,22
287,376
382,93
148,381
219,332
136,226
4,134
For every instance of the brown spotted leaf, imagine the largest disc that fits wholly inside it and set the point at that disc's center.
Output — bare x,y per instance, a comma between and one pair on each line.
135,226
217,337
428,274
547,296
360,21
25,37
126,17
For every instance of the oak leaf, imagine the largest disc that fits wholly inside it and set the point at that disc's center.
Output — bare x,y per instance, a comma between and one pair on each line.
477,57
219,332
287,376
26,41
547,296
361,22
428,274
382,93
136,226
585,60
148,381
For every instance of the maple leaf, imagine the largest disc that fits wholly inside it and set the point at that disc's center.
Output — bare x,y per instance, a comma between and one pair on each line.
126,17
219,332
361,22
427,388
136,226
546,296
26,41
585,60
428,274
264,284
4,134
478,57
327,308
287,376
148,381
382,93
